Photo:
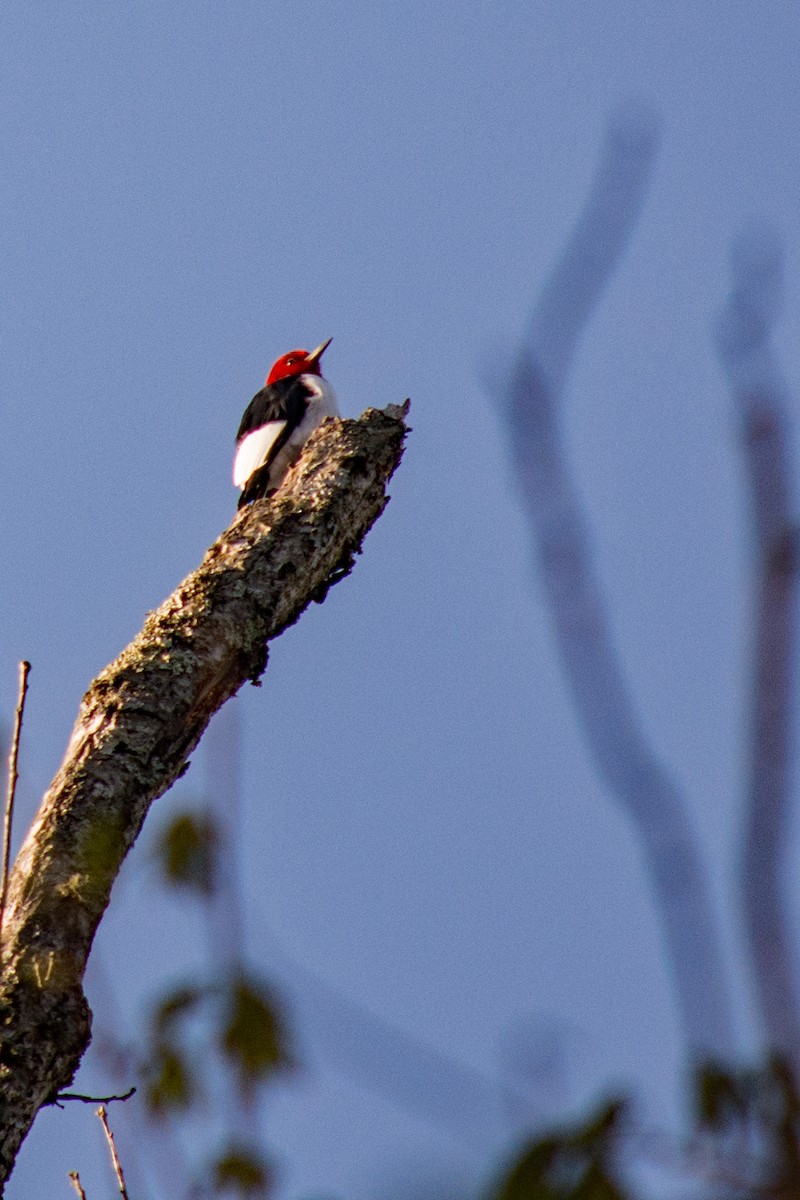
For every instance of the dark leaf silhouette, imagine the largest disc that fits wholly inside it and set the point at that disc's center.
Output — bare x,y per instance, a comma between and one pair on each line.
577,1164
242,1171
176,1005
187,852
171,1084
252,1036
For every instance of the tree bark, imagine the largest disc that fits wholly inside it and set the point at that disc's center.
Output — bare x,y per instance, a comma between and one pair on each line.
138,723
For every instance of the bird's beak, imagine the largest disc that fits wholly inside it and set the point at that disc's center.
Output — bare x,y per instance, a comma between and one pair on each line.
317,354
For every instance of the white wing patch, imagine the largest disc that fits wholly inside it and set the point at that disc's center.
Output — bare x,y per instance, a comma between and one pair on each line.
253,451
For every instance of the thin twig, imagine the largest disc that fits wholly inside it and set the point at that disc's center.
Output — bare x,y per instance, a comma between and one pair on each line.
75,1180
13,775
91,1099
123,1191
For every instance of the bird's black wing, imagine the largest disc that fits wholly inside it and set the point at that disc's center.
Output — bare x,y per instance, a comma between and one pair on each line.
286,401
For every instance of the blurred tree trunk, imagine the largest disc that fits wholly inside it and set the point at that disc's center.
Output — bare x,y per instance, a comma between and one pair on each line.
640,783
761,398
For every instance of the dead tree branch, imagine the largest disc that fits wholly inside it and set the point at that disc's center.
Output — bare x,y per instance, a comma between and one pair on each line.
762,402
82,1099
138,723
75,1180
13,776
112,1148
641,784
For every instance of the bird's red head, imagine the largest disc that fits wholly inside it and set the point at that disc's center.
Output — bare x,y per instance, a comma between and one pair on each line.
297,362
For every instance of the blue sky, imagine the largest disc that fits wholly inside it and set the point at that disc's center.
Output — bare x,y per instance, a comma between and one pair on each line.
190,190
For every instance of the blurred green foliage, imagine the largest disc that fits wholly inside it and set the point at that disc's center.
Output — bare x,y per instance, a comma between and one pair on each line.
228,1021
252,1037
187,852
241,1171
751,1119
581,1163
171,1084
745,1140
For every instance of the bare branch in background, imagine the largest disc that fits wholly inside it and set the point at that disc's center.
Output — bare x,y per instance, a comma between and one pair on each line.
412,1074
532,405
81,1098
137,725
75,1180
103,1115
13,776
761,398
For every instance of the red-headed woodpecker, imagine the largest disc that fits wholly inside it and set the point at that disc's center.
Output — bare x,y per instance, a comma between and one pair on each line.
278,421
